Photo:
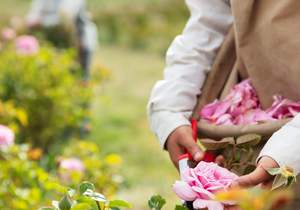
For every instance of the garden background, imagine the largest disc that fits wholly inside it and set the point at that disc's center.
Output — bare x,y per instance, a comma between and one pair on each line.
134,35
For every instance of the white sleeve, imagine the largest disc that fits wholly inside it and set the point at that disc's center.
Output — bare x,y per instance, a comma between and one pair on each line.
284,145
188,60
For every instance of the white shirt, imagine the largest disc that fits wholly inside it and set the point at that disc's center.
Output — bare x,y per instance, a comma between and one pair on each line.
189,59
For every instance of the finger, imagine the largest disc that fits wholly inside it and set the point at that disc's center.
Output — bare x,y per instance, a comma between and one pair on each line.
220,160
192,147
258,176
175,151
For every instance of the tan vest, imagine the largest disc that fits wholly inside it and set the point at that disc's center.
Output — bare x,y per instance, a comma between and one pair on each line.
268,44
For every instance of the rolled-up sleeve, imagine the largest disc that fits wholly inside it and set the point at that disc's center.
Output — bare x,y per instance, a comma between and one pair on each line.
284,145
188,61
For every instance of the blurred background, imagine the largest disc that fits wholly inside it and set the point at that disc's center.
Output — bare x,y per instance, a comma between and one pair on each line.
100,122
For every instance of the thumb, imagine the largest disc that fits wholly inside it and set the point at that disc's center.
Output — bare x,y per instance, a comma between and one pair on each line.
258,176
193,148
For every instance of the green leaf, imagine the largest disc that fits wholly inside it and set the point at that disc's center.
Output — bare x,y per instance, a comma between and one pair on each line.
95,196
180,207
248,140
71,192
274,171
119,203
114,208
47,208
65,203
81,206
156,202
291,180
279,181
86,185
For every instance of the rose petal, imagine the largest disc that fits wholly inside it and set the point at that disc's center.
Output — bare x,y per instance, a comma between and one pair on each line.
204,194
184,191
209,204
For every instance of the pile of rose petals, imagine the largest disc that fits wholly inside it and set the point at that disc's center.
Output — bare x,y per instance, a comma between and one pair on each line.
242,107
200,184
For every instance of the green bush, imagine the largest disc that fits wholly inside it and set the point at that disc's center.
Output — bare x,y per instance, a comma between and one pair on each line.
47,86
24,185
27,186
140,24
86,198
99,169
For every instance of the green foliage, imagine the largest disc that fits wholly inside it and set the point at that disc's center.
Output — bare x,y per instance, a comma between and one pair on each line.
88,200
30,185
47,87
284,177
157,202
100,170
24,185
140,24
12,116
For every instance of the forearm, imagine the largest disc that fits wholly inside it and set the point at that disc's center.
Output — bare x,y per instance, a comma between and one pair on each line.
188,61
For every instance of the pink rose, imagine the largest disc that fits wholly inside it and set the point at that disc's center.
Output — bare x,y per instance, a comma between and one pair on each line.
27,45
72,165
201,183
7,136
8,34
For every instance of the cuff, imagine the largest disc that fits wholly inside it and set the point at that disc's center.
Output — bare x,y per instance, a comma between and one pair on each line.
284,146
164,123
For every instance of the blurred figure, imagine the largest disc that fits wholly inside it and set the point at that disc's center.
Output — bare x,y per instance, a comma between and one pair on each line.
52,13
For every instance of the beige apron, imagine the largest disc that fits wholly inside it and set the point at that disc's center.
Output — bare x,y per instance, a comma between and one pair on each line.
264,45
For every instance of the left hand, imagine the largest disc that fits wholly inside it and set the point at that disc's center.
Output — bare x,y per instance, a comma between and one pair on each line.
259,175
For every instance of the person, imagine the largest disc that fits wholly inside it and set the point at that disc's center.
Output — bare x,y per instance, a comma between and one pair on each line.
50,13
188,61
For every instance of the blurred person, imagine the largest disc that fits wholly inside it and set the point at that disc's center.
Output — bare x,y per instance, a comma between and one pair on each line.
51,13
191,56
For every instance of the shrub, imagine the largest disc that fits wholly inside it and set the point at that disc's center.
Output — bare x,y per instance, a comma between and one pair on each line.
46,86
24,185
31,186
140,24
99,169
86,198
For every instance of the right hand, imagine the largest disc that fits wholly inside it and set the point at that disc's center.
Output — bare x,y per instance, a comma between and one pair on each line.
179,139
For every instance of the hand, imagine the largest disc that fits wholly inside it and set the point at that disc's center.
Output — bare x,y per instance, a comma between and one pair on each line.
259,175
180,139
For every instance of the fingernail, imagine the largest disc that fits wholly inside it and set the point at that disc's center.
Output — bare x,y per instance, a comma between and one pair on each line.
198,156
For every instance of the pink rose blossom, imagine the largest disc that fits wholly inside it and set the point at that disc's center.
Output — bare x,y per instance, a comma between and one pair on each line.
8,34
7,136
72,165
27,45
200,185
242,107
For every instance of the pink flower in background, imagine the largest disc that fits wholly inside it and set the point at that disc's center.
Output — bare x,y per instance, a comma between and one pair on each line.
7,136
72,165
27,45
242,107
201,183
8,34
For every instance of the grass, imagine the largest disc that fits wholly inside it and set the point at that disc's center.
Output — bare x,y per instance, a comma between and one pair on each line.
120,124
